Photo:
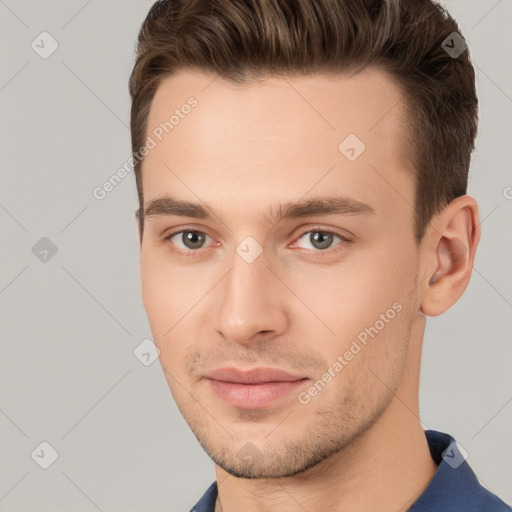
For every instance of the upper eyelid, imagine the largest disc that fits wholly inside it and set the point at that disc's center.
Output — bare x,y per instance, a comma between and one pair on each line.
320,230
172,233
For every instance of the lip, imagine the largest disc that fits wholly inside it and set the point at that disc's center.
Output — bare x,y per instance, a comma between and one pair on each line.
254,376
253,389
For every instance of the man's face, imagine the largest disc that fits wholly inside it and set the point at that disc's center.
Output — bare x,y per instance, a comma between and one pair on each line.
336,287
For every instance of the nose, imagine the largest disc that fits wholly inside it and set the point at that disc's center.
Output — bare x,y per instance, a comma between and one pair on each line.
253,302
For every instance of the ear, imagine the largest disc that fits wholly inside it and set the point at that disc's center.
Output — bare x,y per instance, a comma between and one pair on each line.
448,252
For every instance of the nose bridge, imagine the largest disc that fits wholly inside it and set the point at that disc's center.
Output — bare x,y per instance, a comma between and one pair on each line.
250,299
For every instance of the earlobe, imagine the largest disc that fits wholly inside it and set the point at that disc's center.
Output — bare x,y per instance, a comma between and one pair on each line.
453,238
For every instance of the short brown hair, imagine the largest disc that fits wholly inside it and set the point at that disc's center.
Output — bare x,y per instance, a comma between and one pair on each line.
242,40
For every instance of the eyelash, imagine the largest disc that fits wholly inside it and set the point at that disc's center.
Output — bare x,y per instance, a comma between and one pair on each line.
191,253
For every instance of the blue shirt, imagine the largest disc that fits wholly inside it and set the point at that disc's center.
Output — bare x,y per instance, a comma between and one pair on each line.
454,487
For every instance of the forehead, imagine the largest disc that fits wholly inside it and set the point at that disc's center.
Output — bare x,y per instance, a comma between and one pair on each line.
277,139
368,104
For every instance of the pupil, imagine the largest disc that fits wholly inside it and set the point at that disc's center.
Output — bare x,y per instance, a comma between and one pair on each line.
321,239
192,239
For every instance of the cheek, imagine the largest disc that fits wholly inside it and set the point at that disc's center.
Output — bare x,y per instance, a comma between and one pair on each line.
171,295
159,294
369,311
352,296
160,304
154,295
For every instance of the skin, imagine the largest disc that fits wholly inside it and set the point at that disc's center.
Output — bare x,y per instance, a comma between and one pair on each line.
358,444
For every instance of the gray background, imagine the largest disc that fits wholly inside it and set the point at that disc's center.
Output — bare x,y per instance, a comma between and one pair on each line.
69,325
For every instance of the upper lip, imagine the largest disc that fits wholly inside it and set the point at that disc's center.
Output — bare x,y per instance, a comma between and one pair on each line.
254,376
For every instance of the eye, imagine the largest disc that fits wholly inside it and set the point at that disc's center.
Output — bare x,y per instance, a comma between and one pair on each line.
320,240
189,239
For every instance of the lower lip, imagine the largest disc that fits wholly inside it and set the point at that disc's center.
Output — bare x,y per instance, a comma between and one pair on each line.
253,396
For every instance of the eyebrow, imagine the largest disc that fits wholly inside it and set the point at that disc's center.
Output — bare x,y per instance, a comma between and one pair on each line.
166,205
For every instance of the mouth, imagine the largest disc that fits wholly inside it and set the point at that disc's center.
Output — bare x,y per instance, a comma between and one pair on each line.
253,389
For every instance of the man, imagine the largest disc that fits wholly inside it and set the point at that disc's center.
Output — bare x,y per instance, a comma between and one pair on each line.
302,169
